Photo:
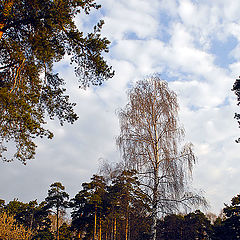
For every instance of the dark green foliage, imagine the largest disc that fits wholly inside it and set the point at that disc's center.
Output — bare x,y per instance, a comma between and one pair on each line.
57,199
192,226
31,215
236,89
23,212
129,205
197,226
65,232
33,36
40,217
170,228
120,208
2,205
140,226
219,231
81,212
229,228
44,234
87,203
139,221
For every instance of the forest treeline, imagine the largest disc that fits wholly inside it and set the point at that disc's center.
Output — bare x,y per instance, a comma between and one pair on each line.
110,209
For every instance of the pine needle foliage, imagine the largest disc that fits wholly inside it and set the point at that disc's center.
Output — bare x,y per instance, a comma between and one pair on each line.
35,34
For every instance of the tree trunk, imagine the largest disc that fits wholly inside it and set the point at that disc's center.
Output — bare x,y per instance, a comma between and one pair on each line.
126,228
156,183
31,223
100,228
95,224
79,235
57,222
154,221
115,229
154,207
129,227
112,229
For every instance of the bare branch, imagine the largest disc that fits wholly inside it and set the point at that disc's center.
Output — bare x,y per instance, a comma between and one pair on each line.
150,142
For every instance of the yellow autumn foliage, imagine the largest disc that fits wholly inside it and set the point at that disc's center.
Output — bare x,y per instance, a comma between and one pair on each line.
10,230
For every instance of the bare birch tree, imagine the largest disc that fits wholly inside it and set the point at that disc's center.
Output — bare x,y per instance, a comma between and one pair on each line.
150,141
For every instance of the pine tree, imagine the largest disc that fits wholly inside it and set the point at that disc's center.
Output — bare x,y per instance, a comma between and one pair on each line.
57,198
33,36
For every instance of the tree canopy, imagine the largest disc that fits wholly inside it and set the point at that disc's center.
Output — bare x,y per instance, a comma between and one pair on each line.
33,36
151,143
57,198
114,209
228,228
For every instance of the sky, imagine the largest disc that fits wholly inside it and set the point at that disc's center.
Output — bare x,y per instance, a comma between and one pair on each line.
195,47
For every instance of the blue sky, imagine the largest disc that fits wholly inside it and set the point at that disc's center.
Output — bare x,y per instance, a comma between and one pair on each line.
194,45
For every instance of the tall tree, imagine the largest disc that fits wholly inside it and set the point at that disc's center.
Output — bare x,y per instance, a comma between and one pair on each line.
97,191
236,89
33,36
127,202
150,141
88,206
82,217
126,205
57,199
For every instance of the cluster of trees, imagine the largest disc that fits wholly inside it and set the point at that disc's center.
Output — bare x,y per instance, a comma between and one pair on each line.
35,219
197,225
139,198
151,143
103,209
113,209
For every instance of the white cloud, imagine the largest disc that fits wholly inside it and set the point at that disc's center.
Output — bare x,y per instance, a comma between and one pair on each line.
132,16
202,149
187,12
